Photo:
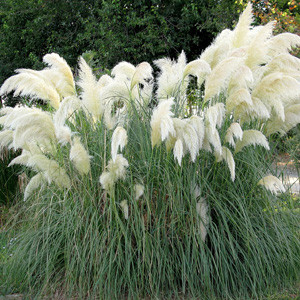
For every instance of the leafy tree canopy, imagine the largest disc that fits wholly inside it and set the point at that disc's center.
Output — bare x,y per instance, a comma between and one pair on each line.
115,30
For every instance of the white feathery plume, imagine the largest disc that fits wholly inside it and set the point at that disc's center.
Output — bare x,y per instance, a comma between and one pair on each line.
214,115
24,134
63,134
118,167
3,119
110,120
161,122
6,138
292,118
202,211
28,117
246,112
283,43
170,142
219,48
191,141
259,110
170,80
125,208
14,113
252,137
67,107
90,90
104,80
142,71
56,62
33,148
146,92
123,71
257,50
26,84
35,125
206,145
220,76
227,156
242,28
51,170
276,89
198,124
115,92
138,190
233,131
54,78
258,75
238,52
119,140
188,136
198,68
107,181
21,159
116,170
6,110
272,183
178,151
34,183
80,157
242,113
142,84
40,163
284,63
113,115
242,78
212,137
238,97
29,124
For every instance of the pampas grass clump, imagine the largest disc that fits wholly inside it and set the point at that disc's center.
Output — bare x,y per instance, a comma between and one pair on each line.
130,201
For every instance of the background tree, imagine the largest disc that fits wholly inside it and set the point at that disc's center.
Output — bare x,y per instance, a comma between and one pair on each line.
115,30
284,12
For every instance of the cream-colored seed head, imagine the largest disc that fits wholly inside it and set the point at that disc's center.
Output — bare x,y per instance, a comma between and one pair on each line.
252,137
26,84
198,68
273,184
170,81
227,156
58,63
242,28
233,131
34,183
138,190
90,93
79,156
116,170
220,76
119,140
161,122
125,207
143,71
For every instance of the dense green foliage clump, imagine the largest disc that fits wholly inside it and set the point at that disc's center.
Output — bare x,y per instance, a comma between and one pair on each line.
133,194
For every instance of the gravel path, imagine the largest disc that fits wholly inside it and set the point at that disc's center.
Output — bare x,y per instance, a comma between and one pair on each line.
286,169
